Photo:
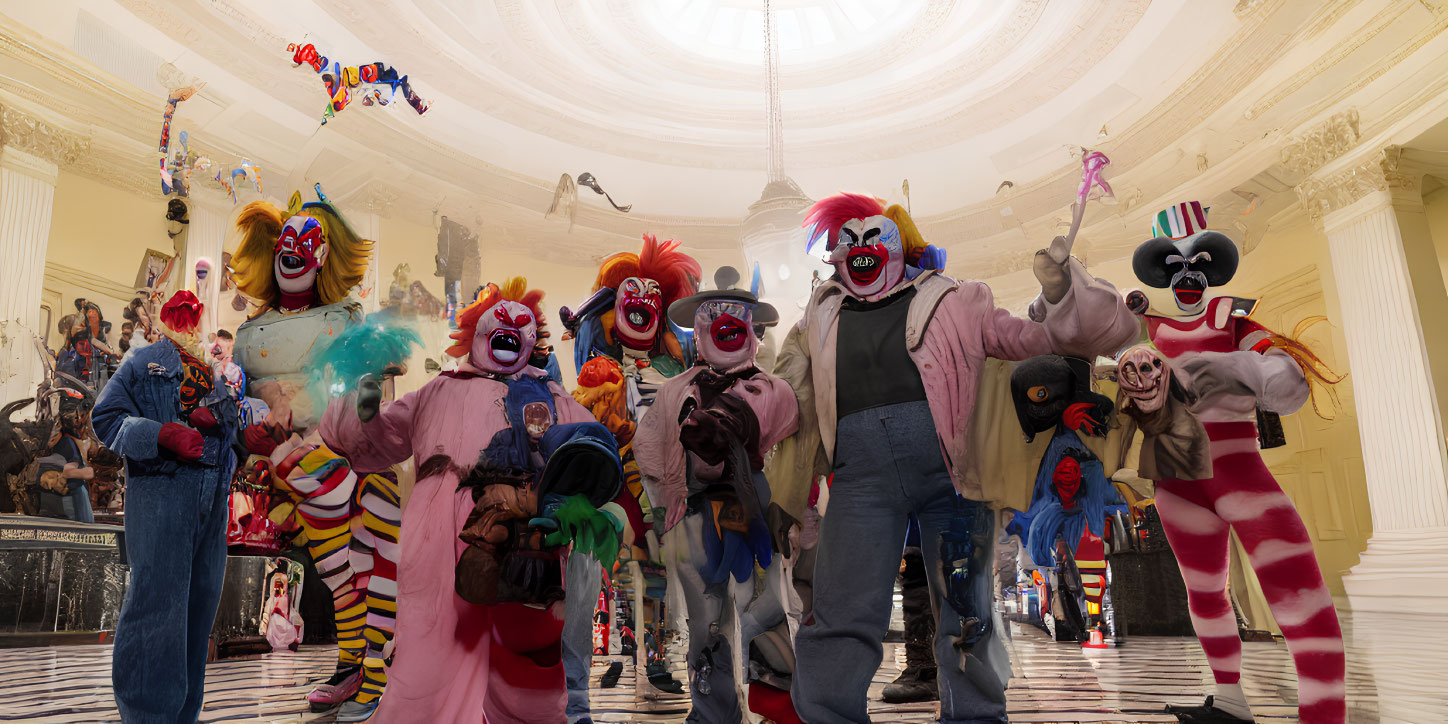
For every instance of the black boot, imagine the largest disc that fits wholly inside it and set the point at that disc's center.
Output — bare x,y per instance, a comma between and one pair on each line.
917,681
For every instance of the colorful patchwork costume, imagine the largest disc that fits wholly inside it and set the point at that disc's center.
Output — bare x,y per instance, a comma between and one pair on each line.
297,266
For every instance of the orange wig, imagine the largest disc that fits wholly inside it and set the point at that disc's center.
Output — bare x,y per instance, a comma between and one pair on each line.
677,273
513,290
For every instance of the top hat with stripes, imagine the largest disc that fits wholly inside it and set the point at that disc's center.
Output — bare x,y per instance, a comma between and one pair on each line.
1180,220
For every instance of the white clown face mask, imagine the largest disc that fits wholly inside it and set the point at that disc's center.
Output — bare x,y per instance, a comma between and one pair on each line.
504,338
869,256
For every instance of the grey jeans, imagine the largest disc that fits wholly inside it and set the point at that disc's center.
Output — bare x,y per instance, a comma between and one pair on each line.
582,581
888,465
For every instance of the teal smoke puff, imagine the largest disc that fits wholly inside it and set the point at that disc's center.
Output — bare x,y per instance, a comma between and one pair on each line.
367,348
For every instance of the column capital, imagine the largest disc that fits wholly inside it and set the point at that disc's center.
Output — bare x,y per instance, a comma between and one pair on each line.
24,132
28,164
1379,173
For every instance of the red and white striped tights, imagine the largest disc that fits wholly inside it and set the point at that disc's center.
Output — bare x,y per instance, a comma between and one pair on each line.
1242,495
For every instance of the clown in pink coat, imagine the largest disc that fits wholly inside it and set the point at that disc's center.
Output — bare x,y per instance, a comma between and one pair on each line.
886,363
458,661
700,448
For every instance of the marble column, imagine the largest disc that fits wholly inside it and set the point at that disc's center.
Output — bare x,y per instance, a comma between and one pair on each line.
27,191
205,239
1399,589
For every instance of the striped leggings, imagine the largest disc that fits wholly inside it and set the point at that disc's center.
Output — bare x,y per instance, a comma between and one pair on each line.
357,562
1242,496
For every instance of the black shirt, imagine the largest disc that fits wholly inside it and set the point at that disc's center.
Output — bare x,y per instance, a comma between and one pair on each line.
872,361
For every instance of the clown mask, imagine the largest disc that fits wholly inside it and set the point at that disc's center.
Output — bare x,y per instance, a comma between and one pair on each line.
638,312
869,257
504,338
725,335
1144,377
1067,479
300,253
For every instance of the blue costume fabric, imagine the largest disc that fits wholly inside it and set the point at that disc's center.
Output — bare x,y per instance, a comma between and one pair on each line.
1050,520
176,520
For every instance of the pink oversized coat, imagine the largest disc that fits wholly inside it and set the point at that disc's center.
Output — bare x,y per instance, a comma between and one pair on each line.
951,328
660,454
441,669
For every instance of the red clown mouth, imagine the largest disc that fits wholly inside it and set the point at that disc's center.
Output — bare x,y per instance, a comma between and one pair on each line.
641,313
729,334
505,346
865,263
292,266
1188,293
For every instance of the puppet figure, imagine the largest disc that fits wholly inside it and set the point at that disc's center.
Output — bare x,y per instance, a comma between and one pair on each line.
478,580
885,363
624,350
297,266
175,426
1071,496
701,450
1234,366
1174,443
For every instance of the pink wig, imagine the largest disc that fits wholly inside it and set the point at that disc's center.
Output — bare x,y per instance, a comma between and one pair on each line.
824,219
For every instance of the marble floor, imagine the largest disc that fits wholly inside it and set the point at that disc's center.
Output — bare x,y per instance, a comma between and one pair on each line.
1053,682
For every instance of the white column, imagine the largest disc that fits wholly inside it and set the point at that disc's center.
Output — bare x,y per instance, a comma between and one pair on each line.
205,239
1399,589
27,192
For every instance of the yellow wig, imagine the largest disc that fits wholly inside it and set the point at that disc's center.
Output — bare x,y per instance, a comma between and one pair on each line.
260,224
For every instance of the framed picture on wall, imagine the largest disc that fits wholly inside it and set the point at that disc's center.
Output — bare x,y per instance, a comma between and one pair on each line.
153,266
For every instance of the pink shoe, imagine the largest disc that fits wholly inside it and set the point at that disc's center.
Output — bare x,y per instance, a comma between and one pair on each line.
331,693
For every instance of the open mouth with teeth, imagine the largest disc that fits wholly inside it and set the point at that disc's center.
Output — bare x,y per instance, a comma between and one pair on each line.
640,313
1188,292
865,264
729,334
505,346
293,265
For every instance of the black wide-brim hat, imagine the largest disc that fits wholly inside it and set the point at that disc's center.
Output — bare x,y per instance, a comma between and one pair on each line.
682,311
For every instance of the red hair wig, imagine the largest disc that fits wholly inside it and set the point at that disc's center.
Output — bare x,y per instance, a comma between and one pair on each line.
677,273
513,290
824,219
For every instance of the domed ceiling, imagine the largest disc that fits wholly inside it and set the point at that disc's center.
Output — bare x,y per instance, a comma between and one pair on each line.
664,101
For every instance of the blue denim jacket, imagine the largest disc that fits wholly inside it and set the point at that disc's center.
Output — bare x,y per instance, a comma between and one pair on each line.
146,394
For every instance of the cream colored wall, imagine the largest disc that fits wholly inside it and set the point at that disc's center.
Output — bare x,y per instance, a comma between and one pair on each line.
1435,203
102,233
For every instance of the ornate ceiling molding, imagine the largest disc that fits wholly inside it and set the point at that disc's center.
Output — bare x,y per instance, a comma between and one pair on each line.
27,133
1312,150
1377,172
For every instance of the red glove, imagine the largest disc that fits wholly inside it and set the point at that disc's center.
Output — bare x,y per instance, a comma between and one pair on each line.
202,419
1076,418
262,439
184,442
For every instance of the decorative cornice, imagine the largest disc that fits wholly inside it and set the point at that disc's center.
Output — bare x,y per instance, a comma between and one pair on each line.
1377,172
1332,138
32,135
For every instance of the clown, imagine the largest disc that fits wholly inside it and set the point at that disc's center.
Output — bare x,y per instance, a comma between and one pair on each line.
1071,495
701,450
297,267
624,350
175,425
886,362
463,660
1232,367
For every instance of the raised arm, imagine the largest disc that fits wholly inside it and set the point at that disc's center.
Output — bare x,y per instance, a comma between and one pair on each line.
383,441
